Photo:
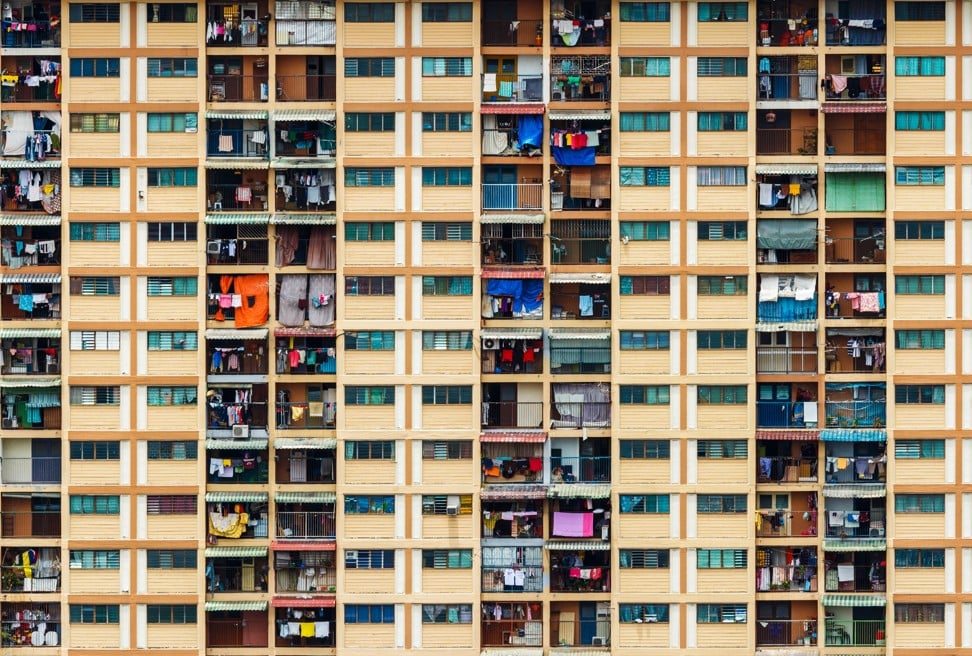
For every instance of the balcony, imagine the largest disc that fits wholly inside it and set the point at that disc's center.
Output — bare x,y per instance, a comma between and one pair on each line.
574,353
859,517
33,516
242,518
773,25
856,250
305,23
313,246
247,465
305,406
512,462
863,573
32,84
567,631
510,352
854,633
238,79
228,138
31,24
31,408
44,302
786,141
783,414
849,134
232,406
593,576
525,522
861,352
580,78
24,624
580,469
228,27
506,624
35,470
235,191
512,578
787,298
786,570
581,188
43,574
512,414
864,81
322,352
580,405
512,197
508,87
528,32
304,460
856,463
287,616
306,524
36,246
236,628
236,575
30,356
236,244
306,138
592,30
859,23
231,354
787,78
786,469
799,357
306,572
856,414
785,524
784,633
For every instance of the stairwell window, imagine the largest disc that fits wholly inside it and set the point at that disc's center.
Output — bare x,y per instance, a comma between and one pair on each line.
95,123
94,286
172,450
923,176
103,395
370,177
645,176
375,340
919,66
95,67
446,12
722,394
651,504
90,504
367,450
95,450
920,285
721,339
171,558
645,12
176,340
722,285
93,614
446,66
89,12
369,67
369,12
919,394
645,121
919,449
95,177
447,285
723,121
919,503
643,559
446,122
356,395
645,67
172,67
170,614
177,177
733,12
647,340
160,396
645,450
171,504
369,122
181,286
721,558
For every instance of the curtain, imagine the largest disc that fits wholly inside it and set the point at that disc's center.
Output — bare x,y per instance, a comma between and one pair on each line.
288,240
293,289
321,299
321,249
494,141
18,126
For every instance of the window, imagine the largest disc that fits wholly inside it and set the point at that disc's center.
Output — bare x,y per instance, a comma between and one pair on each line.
171,395
95,340
95,123
446,394
923,176
446,122
173,450
84,12
93,614
446,12
369,559
645,176
645,121
176,340
172,67
178,177
915,230
722,67
446,340
172,231
354,122
369,12
919,66
171,558
446,66
919,503
446,613
95,559
924,285
95,67
369,505
95,231
375,340
645,12
447,558
376,177
721,503
644,340
924,121
369,285
446,450
919,558
722,285
645,394
442,176
170,504
94,286
369,67
446,231
104,395
178,122
920,339
176,12
644,558
643,613
919,11
89,504
361,614
722,394
645,503
735,449
721,176
919,613
90,177
357,395
646,230
645,285
722,121
722,231
919,394
721,339
736,12
184,286
721,558
438,504
446,285
170,614
370,231
378,450
646,450
645,67
91,450
919,449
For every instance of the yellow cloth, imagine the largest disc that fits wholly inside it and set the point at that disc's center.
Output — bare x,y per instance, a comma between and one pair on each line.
296,412
227,462
25,561
794,189
842,463
229,526
306,629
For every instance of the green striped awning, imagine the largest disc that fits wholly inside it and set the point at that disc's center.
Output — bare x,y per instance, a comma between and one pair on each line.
305,497
241,219
850,167
855,490
786,169
526,218
243,163
33,278
571,651
31,382
560,334
304,219
25,164
853,600
224,113
578,491
577,545
237,445
305,115
305,443
30,219
29,333
864,544
236,552
303,163
236,497
236,605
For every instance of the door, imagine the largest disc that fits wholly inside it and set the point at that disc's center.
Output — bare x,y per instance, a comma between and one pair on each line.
261,81
313,78
771,352
868,241
45,461
773,406
249,24
588,622
499,188
869,138
504,68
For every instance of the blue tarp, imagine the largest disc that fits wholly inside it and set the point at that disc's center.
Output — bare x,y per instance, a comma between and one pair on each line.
530,130
527,294
574,157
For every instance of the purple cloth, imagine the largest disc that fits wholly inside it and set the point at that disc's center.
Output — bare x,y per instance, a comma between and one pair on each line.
573,525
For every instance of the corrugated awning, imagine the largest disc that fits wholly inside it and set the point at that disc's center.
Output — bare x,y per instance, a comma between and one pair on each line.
578,545
241,219
30,333
304,331
233,333
799,435
30,164
513,437
579,114
864,544
304,115
30,382
578,491
303,163
785,169
579,652
787,327
305,443
235,605
854,107
847,167
236,552
560,334
511,108
855,490
506,217
787,652
853,435
237,445
42,278
511,652
512,491
852,600
236,497
587,278
253,115
512,273
305,497
303,602
303,219
242,163
30,219
298,545
511,333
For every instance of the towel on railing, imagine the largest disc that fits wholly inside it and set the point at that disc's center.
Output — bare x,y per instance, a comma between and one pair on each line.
505,89
489,82
225,143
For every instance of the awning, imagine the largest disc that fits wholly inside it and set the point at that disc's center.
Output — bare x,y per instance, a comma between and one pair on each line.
787,234
39,278
243,163
305,443
237,445
512,491
253,115
30,333
785,169
853,435
519,218
579,114
513,437
852,600
511,108
511,333
855,490
560,334
236,497
308,331
853,107
787,652
233,333
236,552
297,545
864,544
511,652
30,382
304,219
235,605
303,163
855,332
798,435
588,278
241,219
578,491
579,652
30,219
304,115
577,545
787,327
305,497
303,602
512,273
30,164
847,167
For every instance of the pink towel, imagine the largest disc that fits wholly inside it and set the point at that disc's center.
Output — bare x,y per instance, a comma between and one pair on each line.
573,525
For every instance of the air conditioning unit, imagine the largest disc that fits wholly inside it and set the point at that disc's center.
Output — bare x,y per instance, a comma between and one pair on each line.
490,344
212,248
9,423
53,367
599,641
241,431
452,504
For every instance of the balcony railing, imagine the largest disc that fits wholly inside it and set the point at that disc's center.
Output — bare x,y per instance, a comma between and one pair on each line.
21,93
231,632
785,632
787,86
493,363
856,141
580,414
863,362
583,579
779,35
236,578
786,141
854,250
512,414
512,632
501,87
867,473
314,525
220,418
580,251
786,469
786,360
30,418
512,196
512,33
858,88
496,579
839,34
784,524
580,469
507,140
292,640
31,471
309,469
249,33
21,634
223,142
305,31
591,360
235,197
855,578
581,633
13,580
303,414
561,201
46,150
518,527
238,88
781,414
856,414
783,579
786,310
307,579
30,524
29,34
30,361
306,88
860,633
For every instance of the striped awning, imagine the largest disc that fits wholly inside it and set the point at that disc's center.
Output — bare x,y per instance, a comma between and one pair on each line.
558,334
587,278
535,218
222,113
305,443
849,167
256,444
29,382
579,114
787,652
787,327
30,219
578,491
862,544
512,273
853,107
237,219
304,331
302,545
305,115
30,333
578,545
235,605
303,219
512,491
511,333
234,333
855,491
39,278
303,163
305,497
513,437
30,164
853,435
786,169
799,435
236,552
511,108
579,652
236,497
853,600
241,163
303,602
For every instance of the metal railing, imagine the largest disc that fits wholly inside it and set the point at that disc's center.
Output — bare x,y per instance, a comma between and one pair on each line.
591,360
315,525
218,418
22,634
31,471
848,37
856,141
13,580
496,135
867,473
512,196
786,141
496,579
512,632
864,530
561,201
580,251
506,87
780,579
236,577
322,580
785,523
30,361
579,633
512,414
581,414
514,529
255,36
787,86
305,641
512,33
297,414
31,34
240,143
862,633
21,93
238,88
785,632
856,414
580,469
786,360
562,579
493,364
854,578
786,469
862,362
306,88
233,197
860,88
305,32
853,250
30,524
781,414
317,469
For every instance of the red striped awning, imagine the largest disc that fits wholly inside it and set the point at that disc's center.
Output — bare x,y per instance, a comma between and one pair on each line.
296,545
303,602
514,436
854,107
800,434
511,272
512,108
304,332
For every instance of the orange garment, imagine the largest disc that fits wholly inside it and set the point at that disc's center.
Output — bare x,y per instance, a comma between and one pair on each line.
255,291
